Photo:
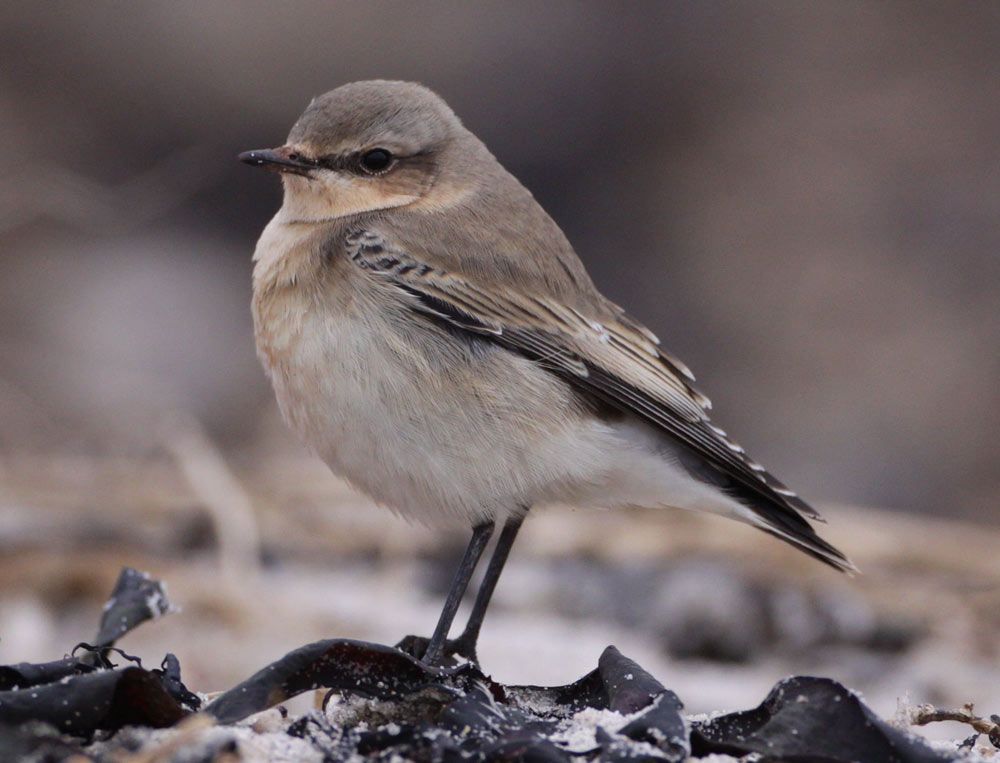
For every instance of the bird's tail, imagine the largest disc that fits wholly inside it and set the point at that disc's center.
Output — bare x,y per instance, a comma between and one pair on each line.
806,540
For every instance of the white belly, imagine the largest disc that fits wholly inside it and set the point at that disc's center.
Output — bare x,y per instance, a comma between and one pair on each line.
431,430
415,439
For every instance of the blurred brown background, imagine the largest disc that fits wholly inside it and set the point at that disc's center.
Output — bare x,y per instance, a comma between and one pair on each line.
801,199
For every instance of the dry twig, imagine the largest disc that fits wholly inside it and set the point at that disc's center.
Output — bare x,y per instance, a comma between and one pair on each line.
223,495
925,714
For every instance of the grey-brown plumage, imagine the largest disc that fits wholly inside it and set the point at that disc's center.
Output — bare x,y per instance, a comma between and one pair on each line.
431,333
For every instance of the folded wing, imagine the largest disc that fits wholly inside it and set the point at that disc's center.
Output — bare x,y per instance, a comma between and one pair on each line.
615,359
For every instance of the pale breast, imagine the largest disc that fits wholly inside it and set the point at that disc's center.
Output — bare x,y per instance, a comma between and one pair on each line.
433,425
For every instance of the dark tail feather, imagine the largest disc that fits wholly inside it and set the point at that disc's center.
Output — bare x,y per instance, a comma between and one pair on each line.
778,511
817,548
782,519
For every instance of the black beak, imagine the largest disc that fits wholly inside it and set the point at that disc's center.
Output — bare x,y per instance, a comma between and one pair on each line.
284,159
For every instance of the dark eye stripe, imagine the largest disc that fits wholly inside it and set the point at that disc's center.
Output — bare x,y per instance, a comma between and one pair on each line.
332,162
352,162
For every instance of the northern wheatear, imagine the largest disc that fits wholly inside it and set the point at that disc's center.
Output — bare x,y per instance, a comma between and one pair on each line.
432,335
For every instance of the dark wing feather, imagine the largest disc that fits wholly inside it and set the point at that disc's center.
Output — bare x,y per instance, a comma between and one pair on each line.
616,360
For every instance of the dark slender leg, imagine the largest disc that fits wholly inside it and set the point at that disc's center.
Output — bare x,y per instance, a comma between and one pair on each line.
480,537
465,644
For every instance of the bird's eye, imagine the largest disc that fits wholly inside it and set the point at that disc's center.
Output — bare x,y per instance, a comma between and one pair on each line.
375,161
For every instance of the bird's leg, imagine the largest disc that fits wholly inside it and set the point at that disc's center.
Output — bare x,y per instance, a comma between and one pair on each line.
480,537
465,645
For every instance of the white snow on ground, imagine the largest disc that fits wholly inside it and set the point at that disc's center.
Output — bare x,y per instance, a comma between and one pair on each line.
577,734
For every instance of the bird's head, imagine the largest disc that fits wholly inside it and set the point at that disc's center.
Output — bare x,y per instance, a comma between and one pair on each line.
370,146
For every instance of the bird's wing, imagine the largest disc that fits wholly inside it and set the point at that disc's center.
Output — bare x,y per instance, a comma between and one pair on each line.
615,359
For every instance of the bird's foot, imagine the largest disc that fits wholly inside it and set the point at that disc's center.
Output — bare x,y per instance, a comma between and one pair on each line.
455,650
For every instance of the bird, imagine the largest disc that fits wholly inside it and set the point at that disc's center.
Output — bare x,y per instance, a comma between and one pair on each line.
431,334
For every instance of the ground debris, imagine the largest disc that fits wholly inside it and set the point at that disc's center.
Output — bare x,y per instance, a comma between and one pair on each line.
385,705
86,692
924,714
808,718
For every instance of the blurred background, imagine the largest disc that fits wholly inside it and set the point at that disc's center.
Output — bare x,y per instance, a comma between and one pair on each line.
801,199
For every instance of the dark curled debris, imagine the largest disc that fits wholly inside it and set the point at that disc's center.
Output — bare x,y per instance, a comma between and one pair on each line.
472,715
391,706
806,718
102,700
632,689
371,670
85,693
135,599
25,674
